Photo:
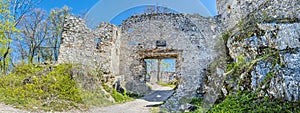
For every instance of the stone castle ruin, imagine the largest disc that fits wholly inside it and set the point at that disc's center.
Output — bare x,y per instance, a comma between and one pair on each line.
246,28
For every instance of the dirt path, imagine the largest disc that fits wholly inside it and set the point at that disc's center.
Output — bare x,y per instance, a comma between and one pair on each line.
9,109
143,105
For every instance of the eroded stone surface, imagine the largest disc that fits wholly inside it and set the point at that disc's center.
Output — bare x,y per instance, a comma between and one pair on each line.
94,48
281,41
232,11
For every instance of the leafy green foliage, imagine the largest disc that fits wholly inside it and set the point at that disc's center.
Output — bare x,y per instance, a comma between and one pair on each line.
118,97
47,88
7,28
56,19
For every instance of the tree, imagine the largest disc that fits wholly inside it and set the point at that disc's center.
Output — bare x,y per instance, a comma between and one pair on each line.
34,33
57,19
41,35
7,29
19,8
12,12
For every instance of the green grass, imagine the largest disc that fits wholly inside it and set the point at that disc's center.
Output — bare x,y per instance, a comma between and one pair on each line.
118,97
166,84
47,88
155,110
244,102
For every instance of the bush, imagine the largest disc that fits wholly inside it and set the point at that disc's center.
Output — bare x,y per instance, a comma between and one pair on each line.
118,97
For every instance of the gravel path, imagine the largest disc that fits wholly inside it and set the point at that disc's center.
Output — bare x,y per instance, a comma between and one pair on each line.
143,105
9,109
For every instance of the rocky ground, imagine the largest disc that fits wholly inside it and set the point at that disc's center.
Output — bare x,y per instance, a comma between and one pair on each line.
9,109
142,105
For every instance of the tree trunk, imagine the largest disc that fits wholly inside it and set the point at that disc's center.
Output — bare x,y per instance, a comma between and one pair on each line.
158,69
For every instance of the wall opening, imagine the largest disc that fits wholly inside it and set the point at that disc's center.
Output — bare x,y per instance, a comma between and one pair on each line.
228,8
160,69
98,43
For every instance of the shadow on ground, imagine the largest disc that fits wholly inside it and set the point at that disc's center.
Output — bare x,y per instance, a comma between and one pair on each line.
158,95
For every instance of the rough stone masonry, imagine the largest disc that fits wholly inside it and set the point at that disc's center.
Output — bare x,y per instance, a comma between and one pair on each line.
195,42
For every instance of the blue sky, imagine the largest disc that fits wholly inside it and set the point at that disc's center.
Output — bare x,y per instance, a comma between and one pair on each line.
78,6
81,6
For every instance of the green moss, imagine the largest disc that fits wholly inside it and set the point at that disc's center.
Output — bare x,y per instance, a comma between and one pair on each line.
226,35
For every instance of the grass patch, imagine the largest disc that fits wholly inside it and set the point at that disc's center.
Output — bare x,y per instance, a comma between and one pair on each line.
251,102
118,97
155,110
167,84
47,88
245,102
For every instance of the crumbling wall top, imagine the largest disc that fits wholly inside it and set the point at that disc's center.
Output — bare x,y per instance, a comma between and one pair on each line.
234,11
174,18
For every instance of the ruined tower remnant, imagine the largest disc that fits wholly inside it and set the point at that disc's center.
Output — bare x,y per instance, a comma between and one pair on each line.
97,48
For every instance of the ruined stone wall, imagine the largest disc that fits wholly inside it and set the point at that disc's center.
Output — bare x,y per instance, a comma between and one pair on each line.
234,11
281,42
265,33
252,29
97,48
191,39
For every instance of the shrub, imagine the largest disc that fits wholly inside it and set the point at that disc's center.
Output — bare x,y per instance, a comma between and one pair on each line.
118,97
